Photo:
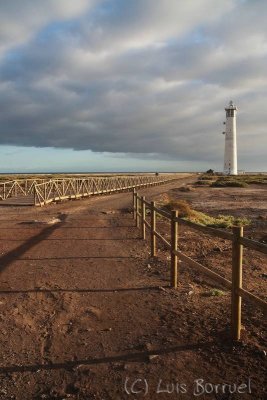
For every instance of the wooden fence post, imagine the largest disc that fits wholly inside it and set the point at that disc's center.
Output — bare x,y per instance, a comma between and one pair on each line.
137,210
35,195
237,253
174,258
134,204
153,229
143,218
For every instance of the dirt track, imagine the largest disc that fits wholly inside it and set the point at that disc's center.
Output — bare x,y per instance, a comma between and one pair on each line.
84,310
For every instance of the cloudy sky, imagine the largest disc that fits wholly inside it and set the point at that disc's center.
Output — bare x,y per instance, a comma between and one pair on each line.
102,85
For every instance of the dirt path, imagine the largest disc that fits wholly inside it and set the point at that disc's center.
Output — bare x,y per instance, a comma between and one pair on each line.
85,313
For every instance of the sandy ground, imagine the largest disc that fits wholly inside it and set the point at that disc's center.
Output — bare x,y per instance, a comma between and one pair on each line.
87,314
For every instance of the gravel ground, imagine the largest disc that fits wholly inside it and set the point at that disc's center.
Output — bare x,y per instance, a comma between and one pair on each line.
87,314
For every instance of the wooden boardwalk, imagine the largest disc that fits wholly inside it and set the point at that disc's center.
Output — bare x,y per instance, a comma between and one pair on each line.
18,201
41,192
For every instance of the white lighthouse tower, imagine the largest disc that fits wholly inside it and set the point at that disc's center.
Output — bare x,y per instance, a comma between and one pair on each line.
230,153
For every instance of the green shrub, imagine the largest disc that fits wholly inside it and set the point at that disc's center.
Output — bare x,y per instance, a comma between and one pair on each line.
229,183
202,183
207,178
240,180
258,181
221,221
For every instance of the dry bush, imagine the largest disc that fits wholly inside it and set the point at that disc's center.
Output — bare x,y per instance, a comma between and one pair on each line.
181,206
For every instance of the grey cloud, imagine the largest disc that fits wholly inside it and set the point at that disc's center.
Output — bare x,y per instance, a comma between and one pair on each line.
123,80
20,20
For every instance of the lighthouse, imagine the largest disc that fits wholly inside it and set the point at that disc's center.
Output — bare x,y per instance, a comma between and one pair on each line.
230,153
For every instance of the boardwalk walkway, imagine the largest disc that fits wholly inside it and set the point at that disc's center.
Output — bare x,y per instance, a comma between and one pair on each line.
18,201
41,192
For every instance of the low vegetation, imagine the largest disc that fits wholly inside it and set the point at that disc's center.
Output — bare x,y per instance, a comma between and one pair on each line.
221,221
198,217
11,177
203,182
229,183
207,178
239,180
186,189
181,206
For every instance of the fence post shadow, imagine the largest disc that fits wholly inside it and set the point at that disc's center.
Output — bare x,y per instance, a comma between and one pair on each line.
12,255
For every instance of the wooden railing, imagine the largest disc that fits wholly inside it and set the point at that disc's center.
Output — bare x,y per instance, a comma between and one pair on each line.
73,188
140,205
18,187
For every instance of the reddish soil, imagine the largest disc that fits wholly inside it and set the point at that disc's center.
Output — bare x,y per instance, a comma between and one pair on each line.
87,314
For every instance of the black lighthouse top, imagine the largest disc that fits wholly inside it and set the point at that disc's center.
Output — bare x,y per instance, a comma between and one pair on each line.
230,109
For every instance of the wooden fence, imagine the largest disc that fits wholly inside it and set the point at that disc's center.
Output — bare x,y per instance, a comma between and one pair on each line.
44,191
18,187
140,205
74,188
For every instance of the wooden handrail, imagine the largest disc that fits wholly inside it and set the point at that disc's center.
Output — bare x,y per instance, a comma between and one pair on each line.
61,189
207,229
46,191
159,236
236,237
207,271
253,244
